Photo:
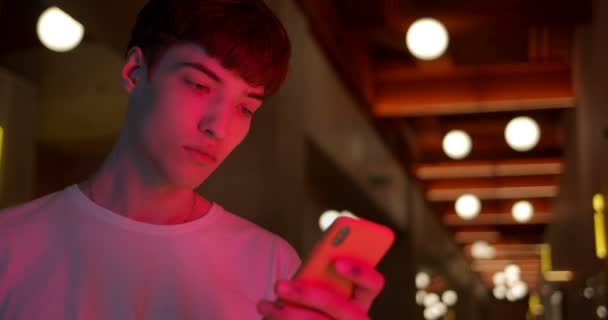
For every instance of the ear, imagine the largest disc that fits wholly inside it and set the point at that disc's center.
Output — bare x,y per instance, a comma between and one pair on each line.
133,70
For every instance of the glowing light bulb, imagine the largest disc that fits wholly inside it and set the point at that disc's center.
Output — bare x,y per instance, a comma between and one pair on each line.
449,297
499,279
601,312
522,211
467,206
430,299
420,294
422,280
427,39
327,218
58,31
457,144
512,273
519,290
522,133
500,292
482,250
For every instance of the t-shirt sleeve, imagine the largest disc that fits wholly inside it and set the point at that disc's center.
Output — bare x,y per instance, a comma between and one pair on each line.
291,261
284,265
287,260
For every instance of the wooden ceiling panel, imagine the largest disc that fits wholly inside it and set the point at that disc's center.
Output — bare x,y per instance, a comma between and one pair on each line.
491,183
520,234
481,169
471,16
509,251
489,47
495,219
506,58
474,94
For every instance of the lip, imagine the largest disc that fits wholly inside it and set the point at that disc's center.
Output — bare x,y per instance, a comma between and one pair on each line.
200,156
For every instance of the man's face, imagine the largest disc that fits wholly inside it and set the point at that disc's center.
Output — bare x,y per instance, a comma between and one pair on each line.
186,117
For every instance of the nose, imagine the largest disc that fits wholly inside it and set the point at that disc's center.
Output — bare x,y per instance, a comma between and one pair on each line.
215,121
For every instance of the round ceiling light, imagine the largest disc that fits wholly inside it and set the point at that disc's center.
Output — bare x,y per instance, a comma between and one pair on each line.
500,292
457,144
482,250
499,279
430,299
601,312
522,133
420,294
427,39
58,31
512,274
422,280
449,297
522,211
327,218
467,206
519,290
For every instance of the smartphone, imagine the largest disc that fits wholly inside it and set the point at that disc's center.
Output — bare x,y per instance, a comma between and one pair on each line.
353,238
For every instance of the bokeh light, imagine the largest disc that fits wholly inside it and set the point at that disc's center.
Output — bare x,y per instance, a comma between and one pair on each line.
522,211
522,133
449,297
457,144
422,280
427,39
58,31
467,206
482,250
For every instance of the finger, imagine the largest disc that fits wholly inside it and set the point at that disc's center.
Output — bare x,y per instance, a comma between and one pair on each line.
285,311
320,299
367,280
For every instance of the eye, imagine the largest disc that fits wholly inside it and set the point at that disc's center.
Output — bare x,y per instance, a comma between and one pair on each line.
195,85
246,111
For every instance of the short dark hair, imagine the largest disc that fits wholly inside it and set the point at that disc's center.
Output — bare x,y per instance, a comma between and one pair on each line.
244,35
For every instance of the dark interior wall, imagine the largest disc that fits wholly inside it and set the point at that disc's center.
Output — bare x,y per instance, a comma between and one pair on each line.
585,173
18,115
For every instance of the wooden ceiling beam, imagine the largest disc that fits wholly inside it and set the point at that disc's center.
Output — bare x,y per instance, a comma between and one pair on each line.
523,263
388,71
481,169
494,236
507,251
474,94
491,182
494,193
493,188
495,219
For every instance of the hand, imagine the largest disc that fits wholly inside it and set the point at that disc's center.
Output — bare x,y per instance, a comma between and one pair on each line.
300,301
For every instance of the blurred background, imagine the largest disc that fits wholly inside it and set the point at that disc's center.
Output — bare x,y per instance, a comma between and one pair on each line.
477,130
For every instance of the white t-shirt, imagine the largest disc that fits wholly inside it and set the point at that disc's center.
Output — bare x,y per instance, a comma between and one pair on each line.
64,257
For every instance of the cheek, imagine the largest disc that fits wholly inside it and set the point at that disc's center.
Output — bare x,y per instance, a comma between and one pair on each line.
160,126
239,132
173,114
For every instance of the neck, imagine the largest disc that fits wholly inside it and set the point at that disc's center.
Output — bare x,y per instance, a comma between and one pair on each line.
122,186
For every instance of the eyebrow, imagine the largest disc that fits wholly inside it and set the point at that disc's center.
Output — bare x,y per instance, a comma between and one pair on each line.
216,78
202,69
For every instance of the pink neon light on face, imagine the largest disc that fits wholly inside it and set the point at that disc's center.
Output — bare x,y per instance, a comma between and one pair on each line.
189,115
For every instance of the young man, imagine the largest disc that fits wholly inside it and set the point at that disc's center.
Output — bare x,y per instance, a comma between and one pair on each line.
134,241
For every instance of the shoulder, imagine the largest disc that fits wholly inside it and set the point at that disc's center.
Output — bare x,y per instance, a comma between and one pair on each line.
20,214
258,238
25,226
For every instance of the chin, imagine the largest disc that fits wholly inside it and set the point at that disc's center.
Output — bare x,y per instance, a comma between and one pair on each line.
187,179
